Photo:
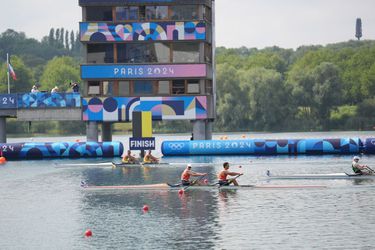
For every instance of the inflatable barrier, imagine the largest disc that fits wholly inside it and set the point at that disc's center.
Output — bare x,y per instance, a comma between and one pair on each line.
264,147
42,150
370,146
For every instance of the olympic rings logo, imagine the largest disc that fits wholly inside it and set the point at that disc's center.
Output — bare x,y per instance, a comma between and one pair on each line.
176,146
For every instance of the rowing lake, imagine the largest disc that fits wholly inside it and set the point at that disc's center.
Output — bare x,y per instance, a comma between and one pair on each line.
43,207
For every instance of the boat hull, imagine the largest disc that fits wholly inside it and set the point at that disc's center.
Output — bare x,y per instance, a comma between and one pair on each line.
320,176
166,186
140,164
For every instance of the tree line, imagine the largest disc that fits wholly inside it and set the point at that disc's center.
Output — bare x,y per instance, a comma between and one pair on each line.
312,88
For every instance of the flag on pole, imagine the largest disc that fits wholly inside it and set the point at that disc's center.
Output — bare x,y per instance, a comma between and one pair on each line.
11,71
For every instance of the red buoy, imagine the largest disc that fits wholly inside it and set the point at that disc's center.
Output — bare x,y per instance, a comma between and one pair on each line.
181,191
145,208
88,233
205,181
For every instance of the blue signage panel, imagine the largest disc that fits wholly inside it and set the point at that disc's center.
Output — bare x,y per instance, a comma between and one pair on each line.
142,143
8,101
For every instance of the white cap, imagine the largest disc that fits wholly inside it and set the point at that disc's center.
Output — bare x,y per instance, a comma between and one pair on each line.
189,165
355,158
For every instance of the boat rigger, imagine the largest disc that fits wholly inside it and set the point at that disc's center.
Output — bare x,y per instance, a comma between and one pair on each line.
322,176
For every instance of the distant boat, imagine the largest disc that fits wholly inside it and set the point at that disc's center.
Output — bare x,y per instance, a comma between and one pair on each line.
321,176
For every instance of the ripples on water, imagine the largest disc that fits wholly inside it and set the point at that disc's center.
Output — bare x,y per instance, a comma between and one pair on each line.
43,207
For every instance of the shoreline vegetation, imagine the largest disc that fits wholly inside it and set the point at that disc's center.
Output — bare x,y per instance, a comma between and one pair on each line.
312,88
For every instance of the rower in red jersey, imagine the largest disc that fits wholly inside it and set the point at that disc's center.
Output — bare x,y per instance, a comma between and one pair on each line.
185,176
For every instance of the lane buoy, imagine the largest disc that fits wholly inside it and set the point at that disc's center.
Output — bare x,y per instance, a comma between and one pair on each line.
3,160
88,233
145,208
181,191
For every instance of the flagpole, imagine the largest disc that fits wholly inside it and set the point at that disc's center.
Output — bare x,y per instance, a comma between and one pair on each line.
8,73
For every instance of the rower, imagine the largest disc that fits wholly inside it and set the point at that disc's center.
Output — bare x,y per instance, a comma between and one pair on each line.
149,158
222,176
360,169
128,158
185,176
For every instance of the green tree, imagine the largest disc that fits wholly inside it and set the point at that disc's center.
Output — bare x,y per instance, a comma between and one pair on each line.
327,91
59,72
269,104
72,41
67,39
51,37
231,101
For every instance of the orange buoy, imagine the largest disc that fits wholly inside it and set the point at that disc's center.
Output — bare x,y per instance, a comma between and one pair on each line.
3,160
243,136
145,208
88,233
77,140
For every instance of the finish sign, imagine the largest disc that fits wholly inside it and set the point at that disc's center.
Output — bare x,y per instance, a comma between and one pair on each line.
142,143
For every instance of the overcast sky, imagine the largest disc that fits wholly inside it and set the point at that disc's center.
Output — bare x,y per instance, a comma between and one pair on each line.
250,23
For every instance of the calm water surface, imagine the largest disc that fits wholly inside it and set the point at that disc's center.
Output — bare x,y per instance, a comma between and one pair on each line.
43,207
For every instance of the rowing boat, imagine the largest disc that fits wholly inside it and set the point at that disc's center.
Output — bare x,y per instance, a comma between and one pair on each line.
139,164
167,186
321,176
145,164
84,164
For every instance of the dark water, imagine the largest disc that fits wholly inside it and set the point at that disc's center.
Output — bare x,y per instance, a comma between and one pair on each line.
42,206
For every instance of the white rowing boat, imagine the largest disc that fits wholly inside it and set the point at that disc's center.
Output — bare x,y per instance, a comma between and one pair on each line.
321,176
146,164
166,186
140,164
84,164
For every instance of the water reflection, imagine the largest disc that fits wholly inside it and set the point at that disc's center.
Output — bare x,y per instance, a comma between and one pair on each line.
187,219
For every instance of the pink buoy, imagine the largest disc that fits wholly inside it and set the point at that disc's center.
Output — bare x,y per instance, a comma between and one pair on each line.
205,181
181,191
88,233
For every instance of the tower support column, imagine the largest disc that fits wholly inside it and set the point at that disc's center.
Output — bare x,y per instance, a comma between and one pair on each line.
3,129
92,131
106,131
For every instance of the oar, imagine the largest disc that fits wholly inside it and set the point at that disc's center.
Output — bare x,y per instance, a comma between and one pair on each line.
194,182
373,171
230,181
